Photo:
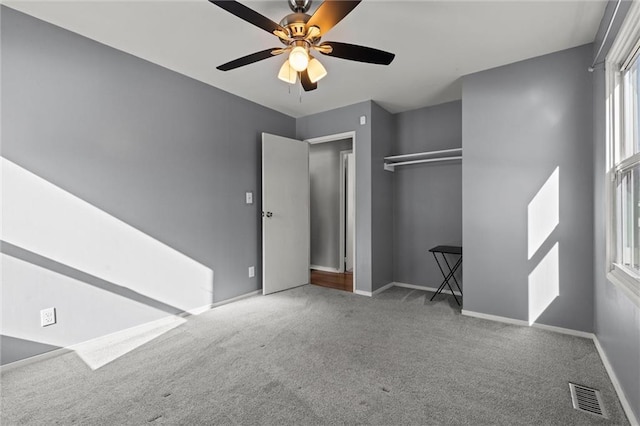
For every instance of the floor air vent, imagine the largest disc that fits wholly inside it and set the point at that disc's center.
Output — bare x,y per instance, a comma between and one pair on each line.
587,399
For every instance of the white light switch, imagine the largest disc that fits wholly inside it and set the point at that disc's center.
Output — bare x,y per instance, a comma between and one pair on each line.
249,197
252,271
363,120
47,317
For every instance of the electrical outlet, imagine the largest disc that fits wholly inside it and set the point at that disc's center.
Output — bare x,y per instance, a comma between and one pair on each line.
47,317
252,271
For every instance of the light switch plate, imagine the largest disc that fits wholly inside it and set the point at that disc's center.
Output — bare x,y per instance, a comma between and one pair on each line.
363,120
252,271
249,197
47,317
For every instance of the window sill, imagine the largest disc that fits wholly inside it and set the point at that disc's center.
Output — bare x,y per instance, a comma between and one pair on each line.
628,283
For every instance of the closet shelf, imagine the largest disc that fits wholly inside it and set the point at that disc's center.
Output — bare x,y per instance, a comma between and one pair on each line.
391,162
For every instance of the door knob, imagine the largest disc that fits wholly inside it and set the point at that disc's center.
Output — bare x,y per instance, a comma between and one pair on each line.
269,214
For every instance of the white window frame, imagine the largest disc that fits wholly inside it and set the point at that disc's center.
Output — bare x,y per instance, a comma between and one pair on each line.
623,47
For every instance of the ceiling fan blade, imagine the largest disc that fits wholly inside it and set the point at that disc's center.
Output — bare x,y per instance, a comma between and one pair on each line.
307,85
354,52
330,13
249,15
249,59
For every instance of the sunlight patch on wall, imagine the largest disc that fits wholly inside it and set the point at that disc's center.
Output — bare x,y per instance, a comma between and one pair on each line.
543,213
44,219
544,284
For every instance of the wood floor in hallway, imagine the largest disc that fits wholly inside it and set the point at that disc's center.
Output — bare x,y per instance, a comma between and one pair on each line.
336,280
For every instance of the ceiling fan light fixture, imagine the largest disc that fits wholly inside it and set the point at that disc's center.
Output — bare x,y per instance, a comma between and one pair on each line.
315,70
299,58
287,73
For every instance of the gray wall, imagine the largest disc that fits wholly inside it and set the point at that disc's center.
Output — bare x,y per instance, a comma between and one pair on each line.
427,197
616,318
383,136
324,171
519,123
340,120
167,155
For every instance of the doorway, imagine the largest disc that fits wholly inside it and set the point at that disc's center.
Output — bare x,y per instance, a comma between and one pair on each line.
332,211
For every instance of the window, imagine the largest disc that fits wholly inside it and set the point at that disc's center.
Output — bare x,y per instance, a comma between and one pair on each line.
623,128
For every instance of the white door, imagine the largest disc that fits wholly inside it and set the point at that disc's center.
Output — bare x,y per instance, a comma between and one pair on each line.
285,209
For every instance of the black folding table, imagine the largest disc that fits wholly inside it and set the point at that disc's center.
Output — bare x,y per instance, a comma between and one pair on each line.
444,250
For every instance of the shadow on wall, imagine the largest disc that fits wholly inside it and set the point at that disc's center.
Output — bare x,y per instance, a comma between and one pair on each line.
102,276
543,219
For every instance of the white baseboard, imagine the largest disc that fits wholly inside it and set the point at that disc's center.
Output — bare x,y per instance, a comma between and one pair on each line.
325,269
235,299
421,287
373,293
195,311
506,320
383,288
626,406
94,351
33,359
495,318
523,323
563,330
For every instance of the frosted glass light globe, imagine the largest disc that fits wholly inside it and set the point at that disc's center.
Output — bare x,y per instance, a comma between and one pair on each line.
299,58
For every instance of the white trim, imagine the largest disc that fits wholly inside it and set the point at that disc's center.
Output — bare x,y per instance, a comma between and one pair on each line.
383,288
342,242
626,406
237,298
624,282
33,359
373,293
524,323
195,311
420,287
127,333
626,40
331,138
563,330
325,268
341,221
337,137
495,318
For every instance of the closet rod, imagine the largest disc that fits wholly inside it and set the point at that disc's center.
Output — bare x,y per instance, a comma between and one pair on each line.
422,154
390,166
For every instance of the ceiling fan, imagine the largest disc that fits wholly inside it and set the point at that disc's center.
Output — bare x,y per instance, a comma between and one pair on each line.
301,33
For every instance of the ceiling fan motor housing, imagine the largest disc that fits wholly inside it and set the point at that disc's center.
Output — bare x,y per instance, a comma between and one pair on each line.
296,23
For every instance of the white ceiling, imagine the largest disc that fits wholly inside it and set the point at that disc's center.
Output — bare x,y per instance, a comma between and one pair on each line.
435,42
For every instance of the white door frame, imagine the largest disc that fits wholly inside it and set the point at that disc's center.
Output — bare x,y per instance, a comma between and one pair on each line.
343,208
332,138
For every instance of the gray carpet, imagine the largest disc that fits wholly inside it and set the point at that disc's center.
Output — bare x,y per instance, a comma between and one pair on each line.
319,356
